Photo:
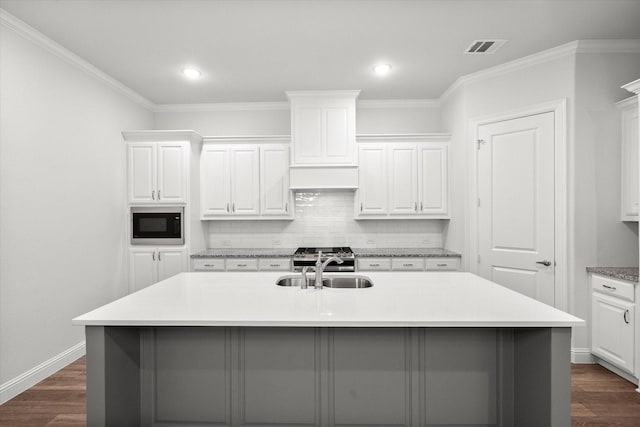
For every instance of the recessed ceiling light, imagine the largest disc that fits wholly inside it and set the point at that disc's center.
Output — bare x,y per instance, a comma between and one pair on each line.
191,73
382,69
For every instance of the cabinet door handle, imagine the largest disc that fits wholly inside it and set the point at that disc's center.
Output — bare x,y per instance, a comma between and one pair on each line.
611,288
441,265
153,194
209,265
421,207
274,265
374,265
360,206
241,265
153,255
626,316
546,263
159,259
415,206
227,207
286,207
158,194
233,207
407,265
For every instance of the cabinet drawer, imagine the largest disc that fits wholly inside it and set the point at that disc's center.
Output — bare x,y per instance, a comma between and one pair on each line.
373,264
274,264
207,264
242,264
442,264
407,264
613,287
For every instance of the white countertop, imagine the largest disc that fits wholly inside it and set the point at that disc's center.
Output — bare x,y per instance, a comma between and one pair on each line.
420,299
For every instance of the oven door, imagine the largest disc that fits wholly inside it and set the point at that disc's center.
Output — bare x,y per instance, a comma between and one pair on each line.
151,226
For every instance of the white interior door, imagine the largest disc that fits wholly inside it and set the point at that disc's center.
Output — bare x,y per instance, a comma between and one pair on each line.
516,205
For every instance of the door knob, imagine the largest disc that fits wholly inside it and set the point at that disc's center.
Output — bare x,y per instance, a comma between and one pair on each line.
546,263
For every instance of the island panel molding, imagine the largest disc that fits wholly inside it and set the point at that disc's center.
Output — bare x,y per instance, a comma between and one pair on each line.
242,376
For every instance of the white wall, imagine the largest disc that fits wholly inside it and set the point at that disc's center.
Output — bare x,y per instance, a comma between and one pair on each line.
325,218
269,119
61,195
590,83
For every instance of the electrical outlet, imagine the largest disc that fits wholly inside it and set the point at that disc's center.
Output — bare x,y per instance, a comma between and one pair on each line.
226,243
427,242
371,242
276,242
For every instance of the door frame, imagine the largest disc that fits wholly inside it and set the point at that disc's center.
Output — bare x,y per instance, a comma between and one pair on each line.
561,200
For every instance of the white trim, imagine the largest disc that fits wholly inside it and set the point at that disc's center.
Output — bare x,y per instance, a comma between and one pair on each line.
17,385
559,108
222,106
633,86
161,135
508,67
368,104
578,46
582,356
29,33
253,139
627,102
403,137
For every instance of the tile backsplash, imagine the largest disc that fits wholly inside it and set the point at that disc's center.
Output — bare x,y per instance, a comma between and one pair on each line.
325,218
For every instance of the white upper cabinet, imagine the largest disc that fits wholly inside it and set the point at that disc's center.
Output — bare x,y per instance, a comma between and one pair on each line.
323,125
373,180
157,172
403,183
275,197
434,182
403,176
245,181
630,192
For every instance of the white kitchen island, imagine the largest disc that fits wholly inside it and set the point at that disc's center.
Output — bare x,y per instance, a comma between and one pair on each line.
416,349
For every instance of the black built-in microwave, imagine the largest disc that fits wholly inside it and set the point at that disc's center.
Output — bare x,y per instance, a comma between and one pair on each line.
157,226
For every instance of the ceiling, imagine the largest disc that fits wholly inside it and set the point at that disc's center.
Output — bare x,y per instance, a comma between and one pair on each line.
255,50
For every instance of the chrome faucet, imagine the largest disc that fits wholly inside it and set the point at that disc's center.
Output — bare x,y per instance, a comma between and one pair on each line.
320,266
305,283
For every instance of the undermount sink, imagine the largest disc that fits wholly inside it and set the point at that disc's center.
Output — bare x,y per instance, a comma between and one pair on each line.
342,281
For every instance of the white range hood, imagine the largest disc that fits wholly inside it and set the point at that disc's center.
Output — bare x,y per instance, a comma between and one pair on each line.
323,133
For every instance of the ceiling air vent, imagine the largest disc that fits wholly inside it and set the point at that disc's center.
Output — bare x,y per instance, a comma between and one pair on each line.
484,46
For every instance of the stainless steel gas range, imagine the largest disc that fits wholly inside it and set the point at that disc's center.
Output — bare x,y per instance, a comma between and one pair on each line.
307,257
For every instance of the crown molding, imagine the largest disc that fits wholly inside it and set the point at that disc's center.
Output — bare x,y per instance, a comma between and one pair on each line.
627,102
508,67
397,103
223,106
571,48
634,86
29,33
161,135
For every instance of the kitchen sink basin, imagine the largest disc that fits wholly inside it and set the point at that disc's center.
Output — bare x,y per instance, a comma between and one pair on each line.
347,282
295,281
342,281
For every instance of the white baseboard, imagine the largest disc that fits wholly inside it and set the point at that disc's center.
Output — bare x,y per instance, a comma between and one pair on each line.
23,382
581,355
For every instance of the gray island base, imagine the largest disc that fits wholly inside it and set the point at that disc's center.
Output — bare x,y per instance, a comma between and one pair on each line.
328,376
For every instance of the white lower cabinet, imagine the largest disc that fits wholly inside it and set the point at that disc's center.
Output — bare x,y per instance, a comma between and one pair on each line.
150,265
274,264
242,264
613,322
207,264
408,264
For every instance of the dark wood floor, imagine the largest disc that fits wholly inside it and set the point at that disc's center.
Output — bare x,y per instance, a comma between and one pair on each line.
599,398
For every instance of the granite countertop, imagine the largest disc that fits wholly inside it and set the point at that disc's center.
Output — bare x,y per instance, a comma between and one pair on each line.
407,299
623,273
405,252
288,252
245,253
